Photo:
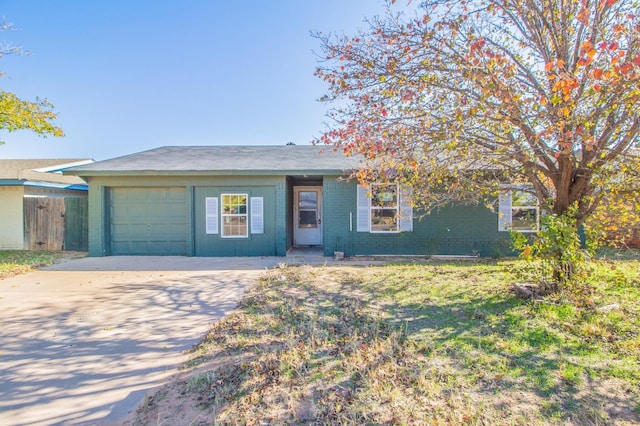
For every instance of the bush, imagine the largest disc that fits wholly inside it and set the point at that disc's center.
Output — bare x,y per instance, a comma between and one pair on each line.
556,255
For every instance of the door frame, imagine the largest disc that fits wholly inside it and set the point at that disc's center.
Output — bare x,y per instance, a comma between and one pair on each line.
320,229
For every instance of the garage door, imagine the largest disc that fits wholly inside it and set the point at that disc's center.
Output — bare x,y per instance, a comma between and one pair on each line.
148,221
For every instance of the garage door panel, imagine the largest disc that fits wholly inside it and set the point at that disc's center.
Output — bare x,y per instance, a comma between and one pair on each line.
149,221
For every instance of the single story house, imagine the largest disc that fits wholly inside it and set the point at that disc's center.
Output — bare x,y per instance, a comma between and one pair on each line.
34,196
264,200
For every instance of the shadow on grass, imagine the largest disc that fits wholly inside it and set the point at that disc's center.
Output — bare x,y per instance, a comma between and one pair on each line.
496,342
339,342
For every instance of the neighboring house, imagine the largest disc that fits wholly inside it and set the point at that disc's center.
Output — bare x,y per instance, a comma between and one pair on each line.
40,208
264,200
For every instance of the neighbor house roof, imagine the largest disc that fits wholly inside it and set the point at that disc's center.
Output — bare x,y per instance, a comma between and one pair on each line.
41,172
224,160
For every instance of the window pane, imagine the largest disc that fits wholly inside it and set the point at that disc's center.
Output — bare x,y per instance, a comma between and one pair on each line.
234,215
307,219
524,219
521,198
384,195
308,200
383,220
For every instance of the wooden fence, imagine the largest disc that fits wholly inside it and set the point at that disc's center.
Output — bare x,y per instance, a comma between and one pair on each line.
55,224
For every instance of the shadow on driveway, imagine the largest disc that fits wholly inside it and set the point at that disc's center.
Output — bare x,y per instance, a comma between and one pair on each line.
83,341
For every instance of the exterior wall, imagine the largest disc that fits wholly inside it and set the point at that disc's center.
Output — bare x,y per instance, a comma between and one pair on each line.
11,218
289,212
455,230
255,244
272,189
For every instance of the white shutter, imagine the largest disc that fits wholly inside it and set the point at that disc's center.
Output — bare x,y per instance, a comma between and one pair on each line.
406,209
211,215
257,215
363,221
504,211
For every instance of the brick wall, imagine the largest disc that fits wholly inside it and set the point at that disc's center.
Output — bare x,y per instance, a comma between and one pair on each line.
455,230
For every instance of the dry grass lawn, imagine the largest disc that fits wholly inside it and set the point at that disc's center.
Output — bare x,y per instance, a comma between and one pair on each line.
417,343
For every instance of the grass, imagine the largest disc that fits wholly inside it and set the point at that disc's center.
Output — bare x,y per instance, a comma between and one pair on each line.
15,262
430,343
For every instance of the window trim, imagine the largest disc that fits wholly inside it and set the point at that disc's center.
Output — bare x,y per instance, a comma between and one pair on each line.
508,193
211,225
396,208
223,215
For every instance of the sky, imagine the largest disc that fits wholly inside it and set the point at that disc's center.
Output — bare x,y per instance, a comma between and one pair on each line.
130,75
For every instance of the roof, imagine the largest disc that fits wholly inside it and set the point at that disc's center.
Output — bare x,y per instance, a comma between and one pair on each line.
224,160
40,172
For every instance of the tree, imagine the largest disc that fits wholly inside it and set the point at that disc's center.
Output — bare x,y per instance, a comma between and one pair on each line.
19,114
469,95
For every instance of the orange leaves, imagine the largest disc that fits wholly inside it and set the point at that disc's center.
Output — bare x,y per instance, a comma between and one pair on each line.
550,66
597,73
586,45
624,69
477,45
583,16
587,53
565,84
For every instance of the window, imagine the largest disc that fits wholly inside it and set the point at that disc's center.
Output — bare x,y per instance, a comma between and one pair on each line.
211,215
384,208
308,209
524,212
234,216
519,211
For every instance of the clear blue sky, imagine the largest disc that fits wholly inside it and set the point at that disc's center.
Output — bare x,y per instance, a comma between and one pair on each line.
130,75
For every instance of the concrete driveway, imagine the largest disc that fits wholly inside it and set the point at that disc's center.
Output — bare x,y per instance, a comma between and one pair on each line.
83,341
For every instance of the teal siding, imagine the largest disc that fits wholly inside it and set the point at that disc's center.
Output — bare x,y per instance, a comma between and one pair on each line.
455,230
281,218
98,232
196,242
255,244
339,201
76,223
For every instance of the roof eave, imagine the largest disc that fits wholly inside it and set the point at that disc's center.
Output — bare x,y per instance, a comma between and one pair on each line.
70,186
118,173
11,182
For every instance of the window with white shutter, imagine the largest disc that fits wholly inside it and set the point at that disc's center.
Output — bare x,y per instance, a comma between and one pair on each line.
518,210
211,215
257,215
384,208
363,219
406,209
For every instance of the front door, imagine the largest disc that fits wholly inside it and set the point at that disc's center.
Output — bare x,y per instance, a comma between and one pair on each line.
307,216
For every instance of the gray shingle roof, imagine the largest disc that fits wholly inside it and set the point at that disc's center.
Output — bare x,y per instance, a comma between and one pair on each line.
224,160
